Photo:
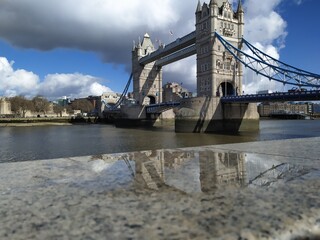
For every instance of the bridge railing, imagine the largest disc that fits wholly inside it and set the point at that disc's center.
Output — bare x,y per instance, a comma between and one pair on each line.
161,107
273,97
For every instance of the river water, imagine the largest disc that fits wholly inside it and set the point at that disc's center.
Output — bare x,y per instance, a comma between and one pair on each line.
47,142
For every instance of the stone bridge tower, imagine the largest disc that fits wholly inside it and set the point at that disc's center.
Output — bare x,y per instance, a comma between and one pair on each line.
147,79
218,73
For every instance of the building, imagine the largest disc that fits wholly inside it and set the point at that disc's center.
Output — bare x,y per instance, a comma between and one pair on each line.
110,98
5,107
107,101
63,102
173,92
266,109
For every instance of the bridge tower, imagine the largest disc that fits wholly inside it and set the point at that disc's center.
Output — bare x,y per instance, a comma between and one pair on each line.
147,79
218,73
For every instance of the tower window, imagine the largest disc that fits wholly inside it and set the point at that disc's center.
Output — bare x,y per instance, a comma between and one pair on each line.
218,64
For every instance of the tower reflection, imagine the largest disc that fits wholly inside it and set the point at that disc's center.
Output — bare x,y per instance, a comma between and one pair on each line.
187,171
219,169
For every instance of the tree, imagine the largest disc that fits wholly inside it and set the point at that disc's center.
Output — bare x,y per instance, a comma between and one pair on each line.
58,109
20,105
41,105
69,109
84,105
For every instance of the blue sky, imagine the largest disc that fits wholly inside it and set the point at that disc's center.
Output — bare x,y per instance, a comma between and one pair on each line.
301,44
77,48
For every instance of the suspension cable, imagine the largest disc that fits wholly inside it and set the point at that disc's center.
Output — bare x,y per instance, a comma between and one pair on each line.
276,72
124,93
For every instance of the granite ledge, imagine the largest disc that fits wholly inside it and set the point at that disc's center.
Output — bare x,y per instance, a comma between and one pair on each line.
261,190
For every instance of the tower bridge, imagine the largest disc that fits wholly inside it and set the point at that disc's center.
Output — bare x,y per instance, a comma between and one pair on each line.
217,43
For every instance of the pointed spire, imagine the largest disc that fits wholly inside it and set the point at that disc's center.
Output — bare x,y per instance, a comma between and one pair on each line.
198,7
134,45
213,2
146,36
240,8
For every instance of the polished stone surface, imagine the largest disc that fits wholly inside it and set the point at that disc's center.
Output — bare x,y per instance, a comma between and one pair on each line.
260,190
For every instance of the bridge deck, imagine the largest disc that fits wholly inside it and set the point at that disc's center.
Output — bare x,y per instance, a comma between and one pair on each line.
274,97
161,107
252,98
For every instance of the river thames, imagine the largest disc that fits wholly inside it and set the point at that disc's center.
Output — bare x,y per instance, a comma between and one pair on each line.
49,142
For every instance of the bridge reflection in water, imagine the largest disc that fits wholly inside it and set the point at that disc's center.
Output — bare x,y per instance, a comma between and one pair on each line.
193,171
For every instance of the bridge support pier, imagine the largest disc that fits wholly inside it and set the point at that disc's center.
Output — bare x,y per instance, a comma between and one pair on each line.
134,116
209,115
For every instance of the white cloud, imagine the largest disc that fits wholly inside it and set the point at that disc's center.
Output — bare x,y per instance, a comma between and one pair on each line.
72,85
183,71
266,30
254,82
103,26
21,82
16,82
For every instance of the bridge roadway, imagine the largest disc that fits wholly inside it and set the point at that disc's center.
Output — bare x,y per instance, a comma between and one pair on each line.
313,95
161,107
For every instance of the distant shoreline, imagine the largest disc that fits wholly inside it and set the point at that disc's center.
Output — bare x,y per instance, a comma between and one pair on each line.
34,124
29,122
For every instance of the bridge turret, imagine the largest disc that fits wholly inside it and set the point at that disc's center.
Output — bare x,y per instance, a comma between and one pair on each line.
240,8
198,7
139,49
198,11
147,45
214,8
213,2
240,15
217,71
147,79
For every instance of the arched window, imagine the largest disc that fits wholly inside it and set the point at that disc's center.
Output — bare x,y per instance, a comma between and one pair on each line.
218,64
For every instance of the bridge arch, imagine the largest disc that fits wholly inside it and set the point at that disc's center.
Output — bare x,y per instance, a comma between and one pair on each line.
226,89
149,99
